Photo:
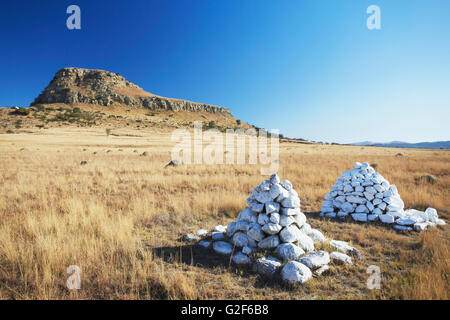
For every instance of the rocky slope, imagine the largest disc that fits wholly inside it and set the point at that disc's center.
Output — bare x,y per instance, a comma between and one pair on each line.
104,88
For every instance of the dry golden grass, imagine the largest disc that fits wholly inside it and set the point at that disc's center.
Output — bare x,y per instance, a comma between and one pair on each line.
120,217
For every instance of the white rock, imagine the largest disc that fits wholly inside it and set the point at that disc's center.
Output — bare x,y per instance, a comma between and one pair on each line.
283,195
263,196
289,251
315,235
275,191
242,226
240,239
263,218
385,184
306,228
189,237
376,201
272,207
290,233
202,232
347,207
220,228
397,214
330,215
371,190
300,219
286,184
274,218
290,211
291,202
432,214
361,209
295,271
286,220
394,190
370,206
377,211
269,242
247,215
274,179
372,217
395,207
420,215
440,222
305,242
369,196
231,229
267,266
240,258
342,246
255,232
361,217
322,270
257,207
315,259
420,226
407,221
378,188
382,206
329,196
386,218
341,258
388,200
348,188
271,228
222,247
399,227
217,236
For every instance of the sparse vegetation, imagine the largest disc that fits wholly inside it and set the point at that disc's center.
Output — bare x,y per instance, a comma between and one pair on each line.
121,223
21,112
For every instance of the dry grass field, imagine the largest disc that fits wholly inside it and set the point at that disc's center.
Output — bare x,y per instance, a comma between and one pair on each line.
120,217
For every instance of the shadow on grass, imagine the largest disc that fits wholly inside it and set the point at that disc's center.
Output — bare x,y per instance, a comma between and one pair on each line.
198,256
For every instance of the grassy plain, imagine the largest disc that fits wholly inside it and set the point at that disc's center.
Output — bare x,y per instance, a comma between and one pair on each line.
120,217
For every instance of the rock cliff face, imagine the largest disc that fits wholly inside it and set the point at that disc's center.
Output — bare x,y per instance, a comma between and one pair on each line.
76,85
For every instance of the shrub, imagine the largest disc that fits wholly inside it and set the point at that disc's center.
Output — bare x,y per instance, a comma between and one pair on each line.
21,112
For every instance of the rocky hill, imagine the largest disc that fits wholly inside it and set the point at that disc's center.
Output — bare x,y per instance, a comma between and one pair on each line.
98,87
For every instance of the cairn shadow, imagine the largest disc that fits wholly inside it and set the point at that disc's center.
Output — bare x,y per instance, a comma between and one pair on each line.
198,256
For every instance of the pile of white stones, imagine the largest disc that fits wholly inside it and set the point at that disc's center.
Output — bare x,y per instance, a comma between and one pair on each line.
367,196
273,223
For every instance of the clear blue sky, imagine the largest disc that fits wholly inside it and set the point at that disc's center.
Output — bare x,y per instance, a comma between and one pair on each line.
311,69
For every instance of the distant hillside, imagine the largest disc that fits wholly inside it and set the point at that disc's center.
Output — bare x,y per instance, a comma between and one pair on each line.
91,98
400,144
98,87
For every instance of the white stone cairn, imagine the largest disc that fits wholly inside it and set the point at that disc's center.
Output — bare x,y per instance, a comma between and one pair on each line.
366,196
272,223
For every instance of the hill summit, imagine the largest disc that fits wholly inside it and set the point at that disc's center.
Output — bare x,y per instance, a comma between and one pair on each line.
104,88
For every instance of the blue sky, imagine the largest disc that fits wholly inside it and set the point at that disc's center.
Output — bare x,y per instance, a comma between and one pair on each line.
311,69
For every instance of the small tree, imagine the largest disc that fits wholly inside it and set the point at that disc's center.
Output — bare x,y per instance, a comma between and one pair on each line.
108,131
